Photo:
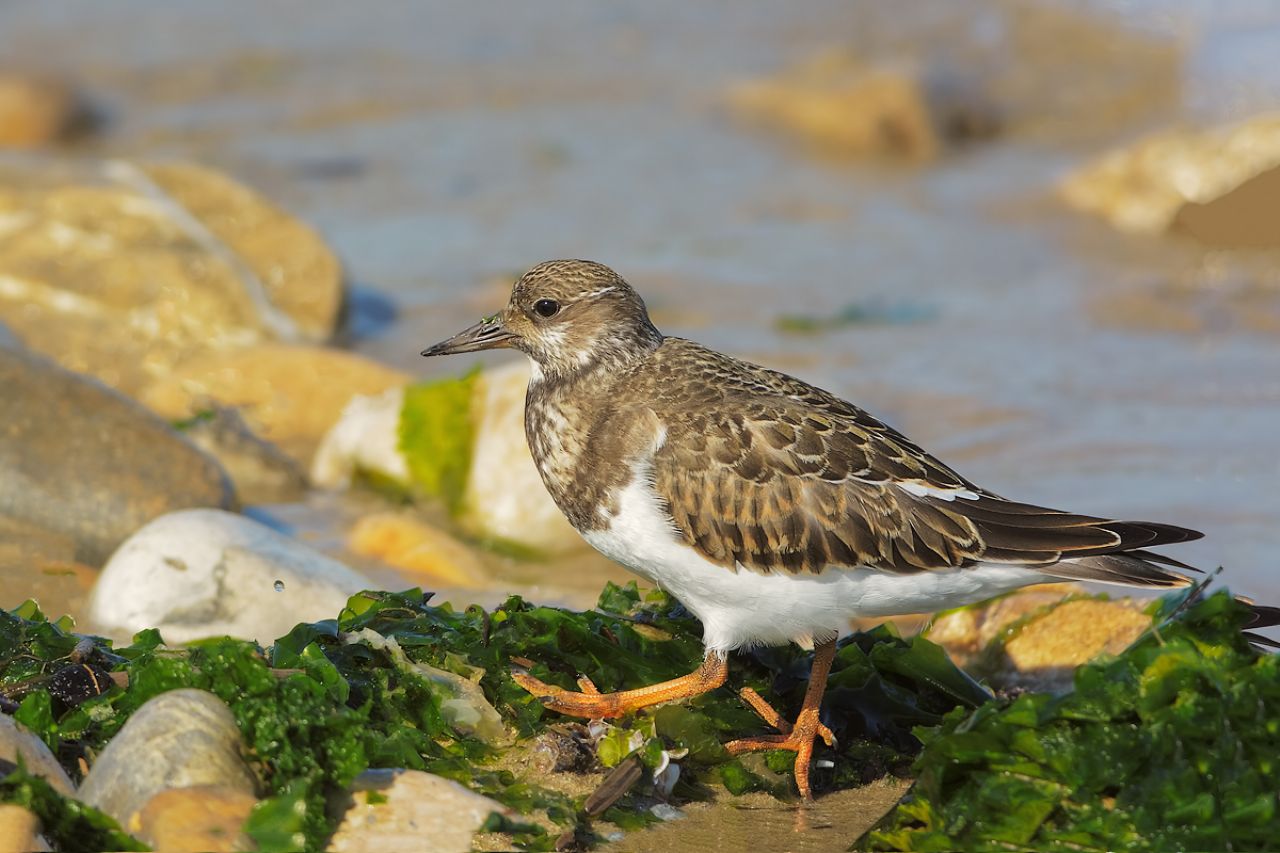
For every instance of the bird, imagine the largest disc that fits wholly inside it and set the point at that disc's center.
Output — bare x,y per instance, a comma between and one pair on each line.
774,511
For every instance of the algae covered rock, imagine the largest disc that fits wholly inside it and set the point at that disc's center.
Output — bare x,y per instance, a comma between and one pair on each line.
16,743
1168,746
460,441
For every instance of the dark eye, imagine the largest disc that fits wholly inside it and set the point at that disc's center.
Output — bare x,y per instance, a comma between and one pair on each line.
546,307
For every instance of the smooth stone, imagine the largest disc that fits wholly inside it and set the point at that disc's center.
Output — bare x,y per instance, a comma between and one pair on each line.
289,395
204,572
79,459
36,110
178,739
20,831
123,270
419,812
17,741
198,819
1217,185
432,556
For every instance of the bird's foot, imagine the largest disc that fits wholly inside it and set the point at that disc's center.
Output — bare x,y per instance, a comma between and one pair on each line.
594,705
798,738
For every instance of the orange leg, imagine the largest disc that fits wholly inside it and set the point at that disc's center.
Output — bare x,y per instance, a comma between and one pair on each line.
799,739
594,705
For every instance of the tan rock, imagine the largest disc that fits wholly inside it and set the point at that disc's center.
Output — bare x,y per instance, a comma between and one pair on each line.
1036,638
124,271
37,111
838,106
1218,185
20,830
289,395
416,811
301,274
417,547
968,632
179,739
191,820
1074,633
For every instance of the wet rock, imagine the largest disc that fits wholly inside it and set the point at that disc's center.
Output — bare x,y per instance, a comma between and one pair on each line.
179,739
37,111
124,270
1035,639
416,811
201,573
839,106
198,819
289,395
262,473
77,459
1221,185
16,741
503,497
20,830
968,632
415,546
912,86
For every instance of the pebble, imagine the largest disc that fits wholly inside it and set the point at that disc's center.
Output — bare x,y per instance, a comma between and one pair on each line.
201,573
178,739
416,811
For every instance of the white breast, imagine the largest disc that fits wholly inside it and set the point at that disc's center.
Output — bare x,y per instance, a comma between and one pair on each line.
744,608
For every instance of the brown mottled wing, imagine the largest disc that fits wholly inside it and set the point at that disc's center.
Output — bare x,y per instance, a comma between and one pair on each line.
765,472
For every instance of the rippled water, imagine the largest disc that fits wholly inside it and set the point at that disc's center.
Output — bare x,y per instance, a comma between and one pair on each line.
444,147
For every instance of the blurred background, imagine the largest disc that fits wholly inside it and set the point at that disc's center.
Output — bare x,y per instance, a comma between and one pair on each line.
1039,237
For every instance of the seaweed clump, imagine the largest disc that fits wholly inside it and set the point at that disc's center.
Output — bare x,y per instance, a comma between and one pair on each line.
1172,745
396,681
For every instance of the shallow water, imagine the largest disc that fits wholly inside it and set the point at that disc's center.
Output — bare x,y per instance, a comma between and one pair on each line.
445,147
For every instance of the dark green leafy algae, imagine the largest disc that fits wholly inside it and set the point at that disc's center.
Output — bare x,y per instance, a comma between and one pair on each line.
1172,745
382,685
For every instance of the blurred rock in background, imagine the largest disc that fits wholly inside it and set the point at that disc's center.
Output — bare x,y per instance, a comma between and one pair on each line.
39,110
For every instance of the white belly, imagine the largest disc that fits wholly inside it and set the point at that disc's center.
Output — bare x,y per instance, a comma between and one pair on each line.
744,608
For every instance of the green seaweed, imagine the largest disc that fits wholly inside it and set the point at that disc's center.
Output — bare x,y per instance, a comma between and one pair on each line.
67,823
436,435
335,697
1171,745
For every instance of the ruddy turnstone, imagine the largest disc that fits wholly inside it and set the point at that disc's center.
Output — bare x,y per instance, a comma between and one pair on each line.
774,511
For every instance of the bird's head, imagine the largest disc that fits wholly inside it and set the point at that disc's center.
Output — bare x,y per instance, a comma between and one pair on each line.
569,317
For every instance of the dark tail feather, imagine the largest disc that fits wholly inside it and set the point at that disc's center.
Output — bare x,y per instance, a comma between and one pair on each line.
1133,568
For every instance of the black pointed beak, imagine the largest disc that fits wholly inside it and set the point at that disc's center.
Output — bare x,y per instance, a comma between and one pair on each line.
489,333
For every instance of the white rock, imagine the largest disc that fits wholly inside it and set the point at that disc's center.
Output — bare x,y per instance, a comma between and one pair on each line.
418,812
365,438
205,572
